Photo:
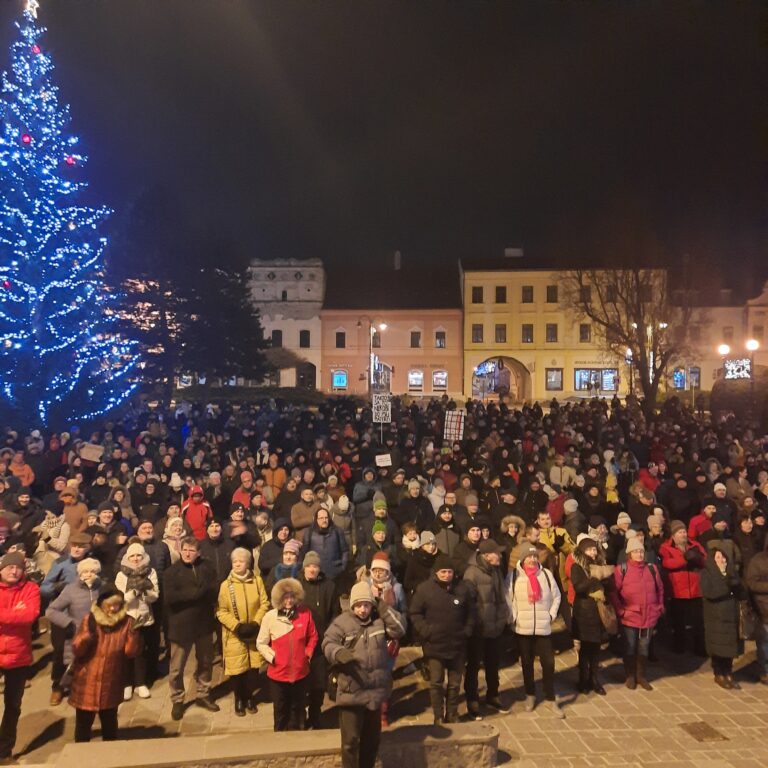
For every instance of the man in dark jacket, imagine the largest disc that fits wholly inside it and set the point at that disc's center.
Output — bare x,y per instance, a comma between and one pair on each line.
322,599
272,551
756,580
486,584
191,589
443,616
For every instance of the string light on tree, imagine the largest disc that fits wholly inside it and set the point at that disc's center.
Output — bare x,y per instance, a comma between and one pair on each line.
61,357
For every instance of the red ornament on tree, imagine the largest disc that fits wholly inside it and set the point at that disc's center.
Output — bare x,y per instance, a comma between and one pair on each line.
26,138
6,283
36,49
69,160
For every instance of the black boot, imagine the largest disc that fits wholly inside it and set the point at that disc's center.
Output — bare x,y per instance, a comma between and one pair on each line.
239,707
630,667
584,682
594,668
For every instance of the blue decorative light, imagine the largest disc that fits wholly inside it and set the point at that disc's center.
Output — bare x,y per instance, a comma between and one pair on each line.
60,355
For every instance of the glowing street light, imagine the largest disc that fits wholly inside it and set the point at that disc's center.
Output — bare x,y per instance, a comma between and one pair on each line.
724,350
753,345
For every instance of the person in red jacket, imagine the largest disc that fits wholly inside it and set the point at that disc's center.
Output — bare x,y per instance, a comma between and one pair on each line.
197,512
287,639
702,522
19,608
682,561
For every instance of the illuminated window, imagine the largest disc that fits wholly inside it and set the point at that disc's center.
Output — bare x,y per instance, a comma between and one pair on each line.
439,381
439,339
415,381
554,379
340,379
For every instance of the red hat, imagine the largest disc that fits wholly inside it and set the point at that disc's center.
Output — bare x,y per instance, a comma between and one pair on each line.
383,561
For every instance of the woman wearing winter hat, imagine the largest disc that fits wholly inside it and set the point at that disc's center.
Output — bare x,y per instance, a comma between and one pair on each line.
534,599
356,642
242,605
105,639
590,579
288,568
287,639
138,583
639,602
721,589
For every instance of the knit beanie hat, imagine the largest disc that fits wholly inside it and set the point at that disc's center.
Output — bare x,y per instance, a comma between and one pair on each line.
427,537
570,506
719,487
379,527
135,549
623,518
676,525
443,563
379,504
634,544
311,558
360,593
381,560
595,521
292,546
489,547
585,537
343,503
654,520
12,558
88,563
471,500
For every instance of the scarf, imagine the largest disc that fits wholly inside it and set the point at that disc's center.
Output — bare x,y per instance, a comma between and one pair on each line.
410,544
534,588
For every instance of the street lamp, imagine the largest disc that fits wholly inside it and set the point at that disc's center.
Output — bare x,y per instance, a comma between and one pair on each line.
372,328
724,350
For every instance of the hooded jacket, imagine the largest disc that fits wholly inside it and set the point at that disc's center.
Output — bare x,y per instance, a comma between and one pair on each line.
287,642
639,594
486,584
756,579
100,648
533,618
197,513
683,568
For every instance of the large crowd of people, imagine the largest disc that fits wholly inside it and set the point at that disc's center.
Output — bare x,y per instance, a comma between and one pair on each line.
303,548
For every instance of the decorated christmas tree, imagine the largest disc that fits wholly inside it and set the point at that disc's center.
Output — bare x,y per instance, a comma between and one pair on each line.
61,357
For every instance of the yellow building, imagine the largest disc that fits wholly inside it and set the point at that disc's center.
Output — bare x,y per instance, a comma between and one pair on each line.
518,338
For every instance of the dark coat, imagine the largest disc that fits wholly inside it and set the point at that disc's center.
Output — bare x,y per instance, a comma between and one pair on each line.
322,599
218,553
418,570
721,611
587,625
331,545
443,616
489,593
190,594
757,582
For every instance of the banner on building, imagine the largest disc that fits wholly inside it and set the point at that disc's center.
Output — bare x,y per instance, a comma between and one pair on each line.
382,409
454,426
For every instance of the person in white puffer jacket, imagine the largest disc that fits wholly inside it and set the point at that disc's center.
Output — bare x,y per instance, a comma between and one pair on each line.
534,601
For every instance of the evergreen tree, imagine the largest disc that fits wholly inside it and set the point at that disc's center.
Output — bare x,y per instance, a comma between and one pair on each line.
60,354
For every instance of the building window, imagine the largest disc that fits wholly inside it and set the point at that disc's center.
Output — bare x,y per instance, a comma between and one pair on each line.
477,333
304,339
277,338
678,378
554,379
758,331
283,295
527,334
341,339
477,294
585,333
551,333
609,380
339,380
439,381
552,294
527,294
501,294
415,339
376,340
610,294
585,294
599,379
439,339
728,334
501,334
415,381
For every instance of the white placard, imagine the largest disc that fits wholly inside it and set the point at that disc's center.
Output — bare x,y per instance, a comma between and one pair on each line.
382,409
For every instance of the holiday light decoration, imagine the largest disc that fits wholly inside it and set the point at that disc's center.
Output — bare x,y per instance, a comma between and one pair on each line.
60,355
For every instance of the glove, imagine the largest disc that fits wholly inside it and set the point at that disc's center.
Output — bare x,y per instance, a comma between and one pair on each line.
246,631
559,540
345,656
598,594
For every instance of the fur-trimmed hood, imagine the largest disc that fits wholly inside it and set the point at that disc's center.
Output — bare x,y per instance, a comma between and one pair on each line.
107,621
581,559
284,586
507,520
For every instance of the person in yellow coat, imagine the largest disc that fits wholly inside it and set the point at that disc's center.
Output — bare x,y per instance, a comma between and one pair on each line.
243,603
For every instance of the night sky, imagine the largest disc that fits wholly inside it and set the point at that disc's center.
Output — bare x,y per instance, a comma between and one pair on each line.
346,129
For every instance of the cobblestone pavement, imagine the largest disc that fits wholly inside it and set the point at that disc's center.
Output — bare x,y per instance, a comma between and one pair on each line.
633,728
